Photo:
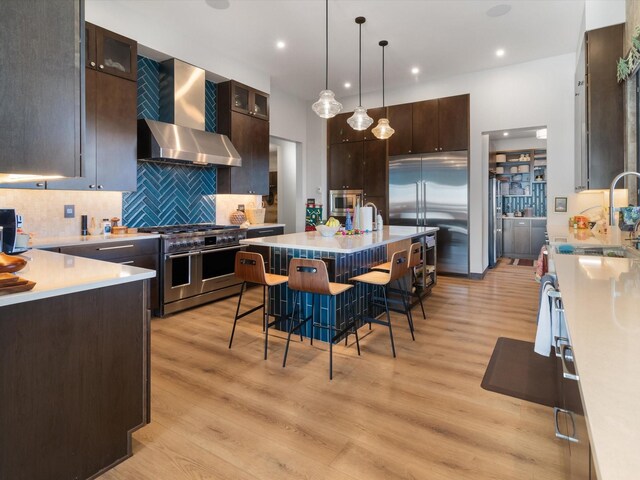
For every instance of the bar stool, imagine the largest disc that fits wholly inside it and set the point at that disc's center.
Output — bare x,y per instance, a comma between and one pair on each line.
414,261
382,281
250,269
310,276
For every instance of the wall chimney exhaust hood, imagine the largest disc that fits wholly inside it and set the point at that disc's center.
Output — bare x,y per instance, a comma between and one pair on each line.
180,136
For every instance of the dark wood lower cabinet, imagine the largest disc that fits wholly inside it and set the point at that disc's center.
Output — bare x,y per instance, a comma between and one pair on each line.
74,382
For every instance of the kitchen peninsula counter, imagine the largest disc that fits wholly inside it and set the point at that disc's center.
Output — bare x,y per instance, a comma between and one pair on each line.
601,296
74,375
74,240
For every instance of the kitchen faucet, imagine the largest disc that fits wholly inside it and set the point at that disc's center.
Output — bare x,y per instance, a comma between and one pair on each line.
613,185
375,215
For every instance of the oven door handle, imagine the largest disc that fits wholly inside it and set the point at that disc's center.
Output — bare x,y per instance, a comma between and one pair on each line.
182,255
213,250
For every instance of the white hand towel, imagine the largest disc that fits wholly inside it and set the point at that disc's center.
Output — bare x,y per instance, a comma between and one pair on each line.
546,320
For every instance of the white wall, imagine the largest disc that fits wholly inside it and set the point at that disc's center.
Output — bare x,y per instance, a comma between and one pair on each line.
533,93
602,13
290,201
516,143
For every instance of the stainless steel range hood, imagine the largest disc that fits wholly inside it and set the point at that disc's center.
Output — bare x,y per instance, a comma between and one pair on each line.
180,137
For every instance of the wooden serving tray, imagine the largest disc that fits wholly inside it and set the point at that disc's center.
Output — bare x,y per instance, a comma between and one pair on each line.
10,264
21,287
8,279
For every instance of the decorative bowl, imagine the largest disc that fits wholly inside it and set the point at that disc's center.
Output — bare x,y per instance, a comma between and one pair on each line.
327,231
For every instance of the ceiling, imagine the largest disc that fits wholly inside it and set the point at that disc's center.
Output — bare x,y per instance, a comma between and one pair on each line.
440,37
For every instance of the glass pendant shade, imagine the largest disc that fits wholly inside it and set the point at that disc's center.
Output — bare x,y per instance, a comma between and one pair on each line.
360,120
327,106
383,130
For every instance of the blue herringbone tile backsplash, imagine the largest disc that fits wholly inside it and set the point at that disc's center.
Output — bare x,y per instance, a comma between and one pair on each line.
169,194
538,201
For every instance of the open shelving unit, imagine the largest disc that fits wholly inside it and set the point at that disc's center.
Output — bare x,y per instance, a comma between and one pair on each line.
520,183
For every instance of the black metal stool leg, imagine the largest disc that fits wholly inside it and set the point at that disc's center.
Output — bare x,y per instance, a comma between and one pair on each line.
286,348
313,309
266,325
417,294
355,324
386,306
264,308
406,300
331,335
235,320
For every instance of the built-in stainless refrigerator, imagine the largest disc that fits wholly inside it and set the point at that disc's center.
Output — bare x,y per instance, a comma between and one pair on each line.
495,222
433,190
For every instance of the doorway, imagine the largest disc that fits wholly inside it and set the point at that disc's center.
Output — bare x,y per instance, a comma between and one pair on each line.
285,204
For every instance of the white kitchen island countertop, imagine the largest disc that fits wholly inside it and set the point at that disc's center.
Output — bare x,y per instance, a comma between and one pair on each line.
559,235
601,297
340,243
57,274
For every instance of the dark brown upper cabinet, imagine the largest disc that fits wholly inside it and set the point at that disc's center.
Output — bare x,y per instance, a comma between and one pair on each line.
425,127
453,123
346,166
109,159
111,53
375,169
340,131
401,120
244,99
41,87
243,114
599,110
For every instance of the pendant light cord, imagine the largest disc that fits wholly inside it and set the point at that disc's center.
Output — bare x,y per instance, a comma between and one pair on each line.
360,66
326,50
383,76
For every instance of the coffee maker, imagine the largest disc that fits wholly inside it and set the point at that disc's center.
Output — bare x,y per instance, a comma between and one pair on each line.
12,240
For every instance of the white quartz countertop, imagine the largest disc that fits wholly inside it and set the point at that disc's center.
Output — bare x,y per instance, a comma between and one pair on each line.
340,243
53,242
601,298
255,226
559,235
56,274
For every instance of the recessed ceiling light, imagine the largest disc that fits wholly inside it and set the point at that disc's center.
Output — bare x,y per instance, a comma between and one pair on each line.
498,10
506,134
541,134
347,84
500,52
280,44
415,70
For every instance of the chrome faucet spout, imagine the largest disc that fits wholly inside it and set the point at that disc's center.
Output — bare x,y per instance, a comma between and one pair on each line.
375,214
611,189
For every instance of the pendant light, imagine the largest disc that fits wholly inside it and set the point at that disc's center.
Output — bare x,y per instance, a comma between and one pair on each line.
327,106
383,130
360,120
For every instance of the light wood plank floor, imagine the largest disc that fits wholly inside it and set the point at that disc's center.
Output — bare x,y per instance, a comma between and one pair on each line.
228,414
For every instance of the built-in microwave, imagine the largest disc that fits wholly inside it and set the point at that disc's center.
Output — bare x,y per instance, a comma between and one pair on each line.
341,200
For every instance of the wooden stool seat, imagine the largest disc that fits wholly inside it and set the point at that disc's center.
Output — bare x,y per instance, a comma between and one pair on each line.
385,267
373,278
249,268
308,275
272,279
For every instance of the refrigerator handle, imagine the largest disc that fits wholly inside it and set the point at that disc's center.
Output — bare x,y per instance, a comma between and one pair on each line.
418,206
424,203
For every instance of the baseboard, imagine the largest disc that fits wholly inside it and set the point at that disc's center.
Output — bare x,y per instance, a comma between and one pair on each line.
478,276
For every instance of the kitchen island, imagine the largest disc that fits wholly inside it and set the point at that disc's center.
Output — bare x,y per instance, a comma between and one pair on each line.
74,368
346,257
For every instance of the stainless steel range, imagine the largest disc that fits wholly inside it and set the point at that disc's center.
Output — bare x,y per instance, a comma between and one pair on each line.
197,264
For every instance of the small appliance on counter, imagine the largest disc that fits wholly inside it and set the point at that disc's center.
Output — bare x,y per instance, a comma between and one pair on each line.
13,241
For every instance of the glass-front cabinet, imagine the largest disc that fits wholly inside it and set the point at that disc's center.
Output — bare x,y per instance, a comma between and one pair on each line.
249,101
111,53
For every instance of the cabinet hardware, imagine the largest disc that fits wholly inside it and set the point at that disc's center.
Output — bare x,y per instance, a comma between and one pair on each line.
117,247
92,186
571,438
40,184
126,263
101,67
564,357
93,64
100,187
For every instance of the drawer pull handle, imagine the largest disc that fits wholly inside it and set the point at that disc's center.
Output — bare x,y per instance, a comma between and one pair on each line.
118,247
564,357
126,263
571,438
